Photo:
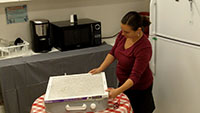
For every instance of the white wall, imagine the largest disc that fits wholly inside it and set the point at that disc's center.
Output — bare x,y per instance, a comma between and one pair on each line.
109,12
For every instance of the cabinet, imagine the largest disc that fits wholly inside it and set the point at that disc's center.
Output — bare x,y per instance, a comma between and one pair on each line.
23,0
7,1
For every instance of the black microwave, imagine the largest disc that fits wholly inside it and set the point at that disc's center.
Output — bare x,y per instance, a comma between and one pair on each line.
67,36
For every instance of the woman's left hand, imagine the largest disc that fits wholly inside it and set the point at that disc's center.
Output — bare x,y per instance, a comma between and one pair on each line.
112,92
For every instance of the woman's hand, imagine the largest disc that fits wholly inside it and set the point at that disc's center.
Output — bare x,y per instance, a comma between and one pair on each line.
108,60
95,71
112,92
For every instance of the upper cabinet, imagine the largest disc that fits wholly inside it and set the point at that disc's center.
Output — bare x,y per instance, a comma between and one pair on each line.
24,0
7,1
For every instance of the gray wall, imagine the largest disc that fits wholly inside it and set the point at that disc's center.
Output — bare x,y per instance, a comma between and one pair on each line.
109,12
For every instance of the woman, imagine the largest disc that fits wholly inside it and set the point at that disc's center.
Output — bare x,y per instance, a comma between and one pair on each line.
133,52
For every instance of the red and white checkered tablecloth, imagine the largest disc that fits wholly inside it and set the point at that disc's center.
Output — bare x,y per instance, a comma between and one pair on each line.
120,104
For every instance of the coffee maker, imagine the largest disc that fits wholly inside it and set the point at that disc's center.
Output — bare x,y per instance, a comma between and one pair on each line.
40,34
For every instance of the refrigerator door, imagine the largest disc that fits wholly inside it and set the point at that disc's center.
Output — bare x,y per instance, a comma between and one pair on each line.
176,19
177,81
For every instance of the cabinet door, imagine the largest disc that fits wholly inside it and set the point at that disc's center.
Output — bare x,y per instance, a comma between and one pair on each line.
24,0
5,1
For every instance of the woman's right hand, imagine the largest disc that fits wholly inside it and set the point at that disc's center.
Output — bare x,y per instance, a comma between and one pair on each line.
108,60
95,71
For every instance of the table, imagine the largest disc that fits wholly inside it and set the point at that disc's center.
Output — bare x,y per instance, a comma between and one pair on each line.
120,104
23,79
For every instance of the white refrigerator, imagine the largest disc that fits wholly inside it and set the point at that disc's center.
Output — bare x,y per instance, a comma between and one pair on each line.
175,37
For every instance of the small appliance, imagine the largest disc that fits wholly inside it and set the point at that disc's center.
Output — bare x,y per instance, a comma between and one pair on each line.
67,35
40,33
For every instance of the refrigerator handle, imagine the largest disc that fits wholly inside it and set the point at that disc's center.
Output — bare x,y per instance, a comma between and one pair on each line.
154,55
153,17
153,40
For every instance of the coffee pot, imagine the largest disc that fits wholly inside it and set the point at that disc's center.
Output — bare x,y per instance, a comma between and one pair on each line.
40,33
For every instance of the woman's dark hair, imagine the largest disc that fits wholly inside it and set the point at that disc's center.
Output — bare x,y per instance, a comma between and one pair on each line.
135,20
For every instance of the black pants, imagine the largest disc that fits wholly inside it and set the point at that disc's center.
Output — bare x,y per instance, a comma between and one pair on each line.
141,101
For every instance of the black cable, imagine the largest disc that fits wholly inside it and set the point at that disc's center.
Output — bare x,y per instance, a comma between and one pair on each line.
110,36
